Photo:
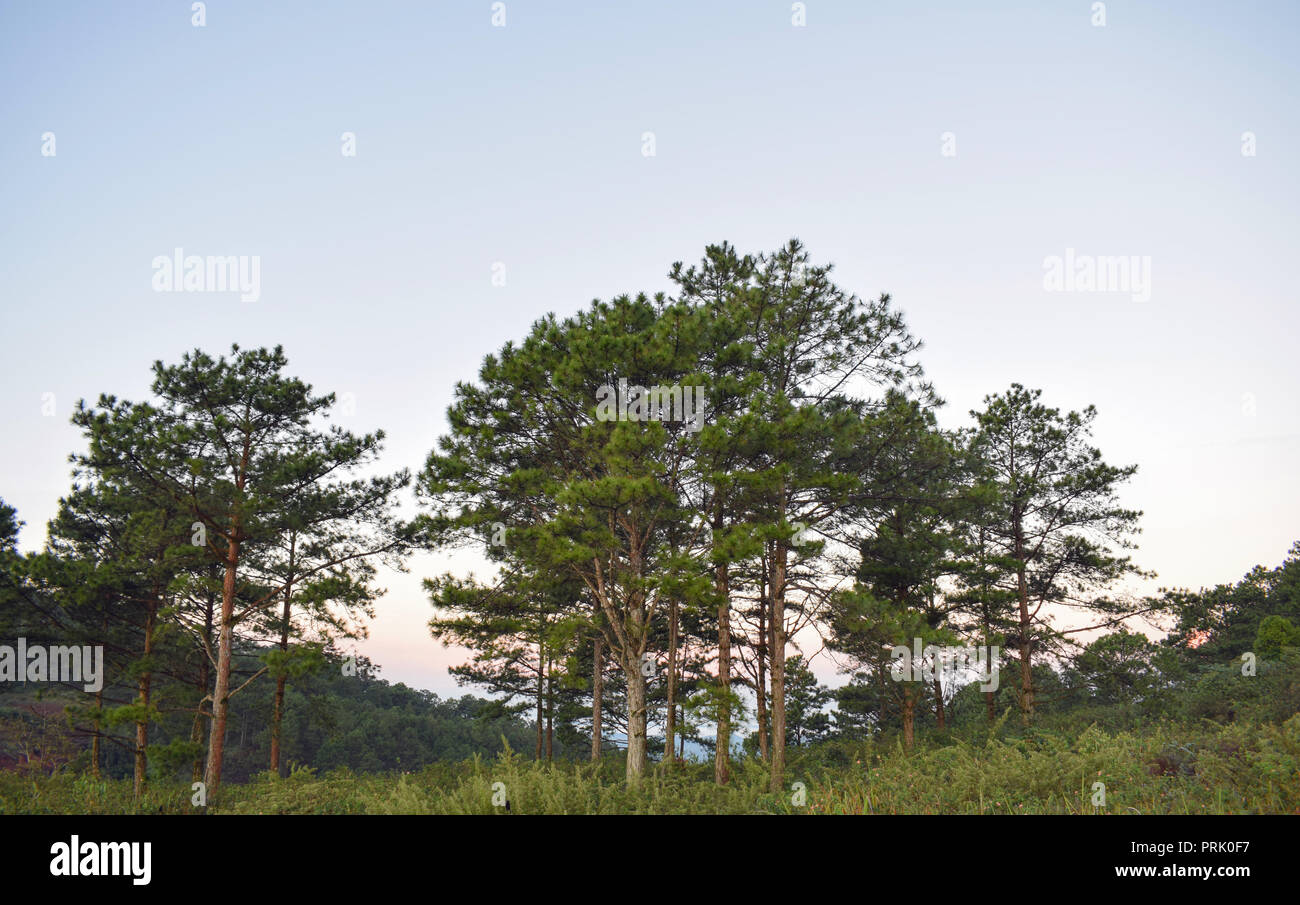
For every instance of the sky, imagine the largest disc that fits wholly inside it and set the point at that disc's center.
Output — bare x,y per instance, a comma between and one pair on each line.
944,153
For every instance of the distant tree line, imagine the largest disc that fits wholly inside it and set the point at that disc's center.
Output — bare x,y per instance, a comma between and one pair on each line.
332,717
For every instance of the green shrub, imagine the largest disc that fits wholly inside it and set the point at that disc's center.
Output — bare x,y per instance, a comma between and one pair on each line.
1240,767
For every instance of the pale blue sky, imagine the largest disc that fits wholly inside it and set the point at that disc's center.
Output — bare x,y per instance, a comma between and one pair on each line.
522,145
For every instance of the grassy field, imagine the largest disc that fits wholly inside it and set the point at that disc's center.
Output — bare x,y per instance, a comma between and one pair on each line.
1168,769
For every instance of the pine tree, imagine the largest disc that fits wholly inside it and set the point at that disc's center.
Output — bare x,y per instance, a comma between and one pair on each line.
234,444
1058,519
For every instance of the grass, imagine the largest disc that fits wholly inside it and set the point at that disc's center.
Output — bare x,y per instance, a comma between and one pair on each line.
1166,769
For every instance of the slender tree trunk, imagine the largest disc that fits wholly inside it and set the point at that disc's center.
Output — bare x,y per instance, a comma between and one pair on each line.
277,719
1026,669
909,718
722,753
760,693
220,694
94,741
541,694
225,638
597,689
550,709
196,729
144,689
671,718
277,710
205,676
938,703
990,708
778,668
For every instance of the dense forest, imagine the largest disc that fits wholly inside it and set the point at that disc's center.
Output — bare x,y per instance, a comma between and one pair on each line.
684,501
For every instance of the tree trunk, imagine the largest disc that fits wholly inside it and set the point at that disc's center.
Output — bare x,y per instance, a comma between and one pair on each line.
225,643
550,710
277,710
909,718
722,753
145,686
196,734
670,726
760,693
778,668
277,717
541,694
990,708
597,689
226,633
1026,669
94,742
205,676
636,718
938,703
